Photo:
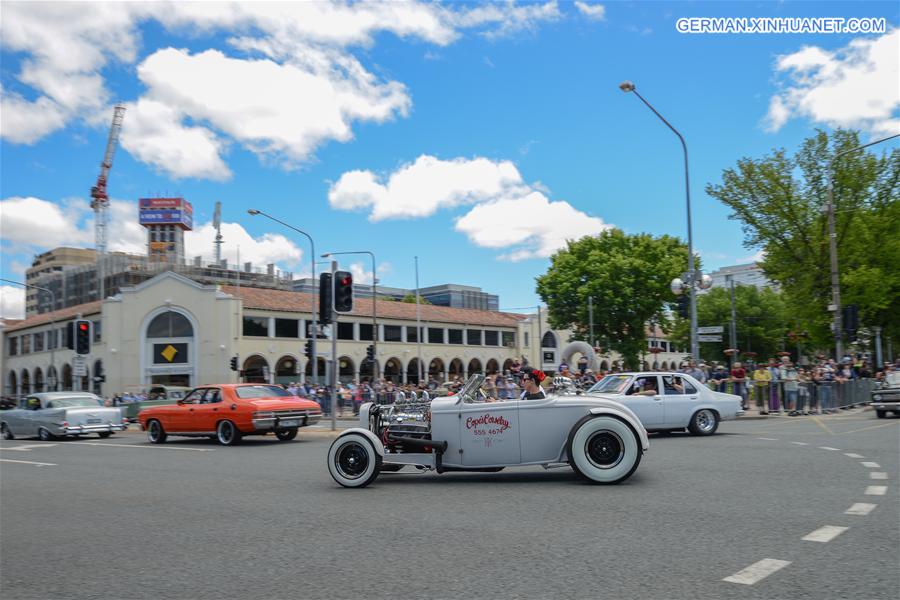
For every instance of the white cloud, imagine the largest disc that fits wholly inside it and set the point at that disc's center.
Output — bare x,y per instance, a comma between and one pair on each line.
262,250
12,302
532,226
595,12
854,86
294,87
419,189
33,222
756,257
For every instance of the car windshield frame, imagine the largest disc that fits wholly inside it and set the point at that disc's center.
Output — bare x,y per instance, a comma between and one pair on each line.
249,392
470,388
604,386
73,402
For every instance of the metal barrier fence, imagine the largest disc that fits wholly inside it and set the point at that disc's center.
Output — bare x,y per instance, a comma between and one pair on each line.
801,396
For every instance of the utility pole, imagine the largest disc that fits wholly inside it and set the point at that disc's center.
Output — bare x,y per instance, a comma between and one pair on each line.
591,318
334,360
732,331
418,324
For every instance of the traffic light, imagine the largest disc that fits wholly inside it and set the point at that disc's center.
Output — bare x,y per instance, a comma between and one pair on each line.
684,306
234,363
308,349
343,291
324,299
82,337
850,320
370,352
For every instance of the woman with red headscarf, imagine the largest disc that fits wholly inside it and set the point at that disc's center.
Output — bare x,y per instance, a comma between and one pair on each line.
531,381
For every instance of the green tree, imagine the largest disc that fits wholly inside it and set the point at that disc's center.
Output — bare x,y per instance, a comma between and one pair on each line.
627,276
780,201
411,299
762,323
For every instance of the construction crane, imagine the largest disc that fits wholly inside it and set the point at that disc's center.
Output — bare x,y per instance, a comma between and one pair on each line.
99,199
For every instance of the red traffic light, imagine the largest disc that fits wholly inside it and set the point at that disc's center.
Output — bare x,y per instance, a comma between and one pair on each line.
82,327
347,281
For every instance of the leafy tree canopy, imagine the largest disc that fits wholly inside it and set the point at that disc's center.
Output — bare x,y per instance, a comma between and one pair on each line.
628,278
780,201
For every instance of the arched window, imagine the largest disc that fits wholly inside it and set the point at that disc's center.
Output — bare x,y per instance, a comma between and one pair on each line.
170,325
549,340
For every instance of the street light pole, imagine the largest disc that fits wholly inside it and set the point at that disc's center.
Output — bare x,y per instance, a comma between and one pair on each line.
418,326
832,248
627,86
375,367
54,335
315,320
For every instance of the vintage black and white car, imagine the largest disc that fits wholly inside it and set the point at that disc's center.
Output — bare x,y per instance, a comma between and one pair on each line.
602,440
886,397
666,401
51,414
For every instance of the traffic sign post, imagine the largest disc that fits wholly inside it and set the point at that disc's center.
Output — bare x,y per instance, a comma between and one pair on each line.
712,329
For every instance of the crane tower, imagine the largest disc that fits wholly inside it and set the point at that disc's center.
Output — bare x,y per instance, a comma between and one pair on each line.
99,199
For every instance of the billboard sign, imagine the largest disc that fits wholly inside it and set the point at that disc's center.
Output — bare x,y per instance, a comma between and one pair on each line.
167,217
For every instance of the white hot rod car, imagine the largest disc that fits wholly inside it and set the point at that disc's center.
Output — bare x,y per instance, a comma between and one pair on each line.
601,440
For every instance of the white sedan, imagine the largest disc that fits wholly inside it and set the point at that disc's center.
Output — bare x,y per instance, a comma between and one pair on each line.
669,401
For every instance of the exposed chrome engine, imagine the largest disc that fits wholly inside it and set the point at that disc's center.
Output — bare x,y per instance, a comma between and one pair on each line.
401,424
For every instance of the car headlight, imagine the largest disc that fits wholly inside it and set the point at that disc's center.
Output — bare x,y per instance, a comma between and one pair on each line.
877,397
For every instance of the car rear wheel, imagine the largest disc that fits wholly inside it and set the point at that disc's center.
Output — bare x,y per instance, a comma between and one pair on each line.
155,432
5,433
44,435
603,449
704,422
104,434
353,461
227,434
287,434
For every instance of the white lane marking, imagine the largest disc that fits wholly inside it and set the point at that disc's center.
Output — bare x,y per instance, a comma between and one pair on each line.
877,475
800,443
768,440
828,448
28,462
825,534
852,455
871,465
860,508
142,447
876,490
28,447
757,571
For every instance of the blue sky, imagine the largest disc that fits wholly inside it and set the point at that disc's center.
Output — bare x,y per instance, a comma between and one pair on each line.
475,136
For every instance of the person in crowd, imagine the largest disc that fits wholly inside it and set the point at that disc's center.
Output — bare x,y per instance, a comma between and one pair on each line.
531,381
719,378
789,376
805,396
762,379
739,382
774,373
694,371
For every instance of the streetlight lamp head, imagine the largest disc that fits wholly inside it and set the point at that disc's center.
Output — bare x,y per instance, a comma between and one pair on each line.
326,255
626,86
252,211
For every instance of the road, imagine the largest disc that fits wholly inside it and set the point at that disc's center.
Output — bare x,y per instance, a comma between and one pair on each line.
718,517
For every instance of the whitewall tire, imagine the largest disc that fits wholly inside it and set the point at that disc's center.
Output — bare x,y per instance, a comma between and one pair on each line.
603,449
353,461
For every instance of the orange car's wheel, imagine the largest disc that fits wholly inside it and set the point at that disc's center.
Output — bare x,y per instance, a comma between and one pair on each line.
155,432
287,434
227,434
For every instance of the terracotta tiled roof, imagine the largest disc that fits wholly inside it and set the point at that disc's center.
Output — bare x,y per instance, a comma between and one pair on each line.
90,308
278,300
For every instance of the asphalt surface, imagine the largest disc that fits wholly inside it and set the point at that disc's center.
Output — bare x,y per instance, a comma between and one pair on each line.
120,518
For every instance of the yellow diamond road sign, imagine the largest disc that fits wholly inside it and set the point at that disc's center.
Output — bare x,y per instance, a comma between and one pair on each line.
169,353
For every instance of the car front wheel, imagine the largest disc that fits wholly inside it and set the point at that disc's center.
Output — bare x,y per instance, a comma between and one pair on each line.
155,432
353,461
603,449
5,433
880,413
286,435
704,422
104,434
227,434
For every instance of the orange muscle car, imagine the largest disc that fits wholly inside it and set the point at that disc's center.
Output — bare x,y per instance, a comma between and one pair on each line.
227,412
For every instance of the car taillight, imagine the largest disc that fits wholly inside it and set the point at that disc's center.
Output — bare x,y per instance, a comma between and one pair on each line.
124,420
263,414
64,424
